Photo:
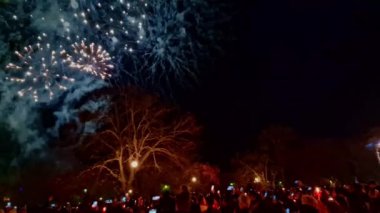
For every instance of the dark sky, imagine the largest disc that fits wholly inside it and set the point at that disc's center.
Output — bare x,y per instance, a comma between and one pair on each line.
311,65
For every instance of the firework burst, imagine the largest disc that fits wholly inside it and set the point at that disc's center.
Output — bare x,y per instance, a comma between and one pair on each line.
91,59
154,43
180,35
117,25
39,73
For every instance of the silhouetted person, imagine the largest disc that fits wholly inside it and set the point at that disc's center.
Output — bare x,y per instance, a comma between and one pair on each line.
167,203
358,200
183,200
195,204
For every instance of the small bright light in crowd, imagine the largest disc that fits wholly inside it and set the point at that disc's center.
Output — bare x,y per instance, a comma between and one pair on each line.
100,198
130,191
165,187
257,180
318,193
317,189
85,190
94,204
134,164
104,209
194,179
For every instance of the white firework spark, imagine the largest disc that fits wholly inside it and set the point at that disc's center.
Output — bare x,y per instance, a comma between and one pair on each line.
38,72
116,23
91,59
153,41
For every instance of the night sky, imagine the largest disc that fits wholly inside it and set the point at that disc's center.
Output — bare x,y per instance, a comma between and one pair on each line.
310,66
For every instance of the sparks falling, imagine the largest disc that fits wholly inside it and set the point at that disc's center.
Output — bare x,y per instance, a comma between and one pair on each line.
117,24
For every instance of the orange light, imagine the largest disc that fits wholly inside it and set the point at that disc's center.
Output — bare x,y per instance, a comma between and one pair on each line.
134,164
194,179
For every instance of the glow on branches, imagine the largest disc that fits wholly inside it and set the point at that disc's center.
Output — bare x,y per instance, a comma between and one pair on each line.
91,59
38,72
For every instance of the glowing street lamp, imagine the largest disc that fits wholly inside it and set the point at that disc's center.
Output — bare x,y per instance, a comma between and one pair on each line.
165,188
194,179
257,179
134,164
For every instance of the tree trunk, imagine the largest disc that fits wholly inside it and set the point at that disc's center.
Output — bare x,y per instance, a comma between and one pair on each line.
123,185
131,178
273,180
122,179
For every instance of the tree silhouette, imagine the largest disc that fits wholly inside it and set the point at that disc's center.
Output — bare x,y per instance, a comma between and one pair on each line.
137,133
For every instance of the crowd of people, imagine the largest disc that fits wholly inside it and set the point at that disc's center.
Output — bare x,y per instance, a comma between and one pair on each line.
352,198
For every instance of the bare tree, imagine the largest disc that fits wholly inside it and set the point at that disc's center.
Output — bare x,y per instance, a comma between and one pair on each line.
137,133
200,176
276,142
255,168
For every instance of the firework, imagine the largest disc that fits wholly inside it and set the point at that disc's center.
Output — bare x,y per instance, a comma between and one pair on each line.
155,41
91,59
38,72
117,25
